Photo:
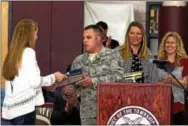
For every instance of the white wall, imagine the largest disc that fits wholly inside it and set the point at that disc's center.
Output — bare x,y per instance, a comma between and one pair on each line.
124,13
139,9
117,15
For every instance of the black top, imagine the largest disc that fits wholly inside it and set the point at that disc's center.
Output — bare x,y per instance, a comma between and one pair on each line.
113,44
60,116
137,66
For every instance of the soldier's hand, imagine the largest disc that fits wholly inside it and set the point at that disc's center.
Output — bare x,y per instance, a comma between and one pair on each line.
85,82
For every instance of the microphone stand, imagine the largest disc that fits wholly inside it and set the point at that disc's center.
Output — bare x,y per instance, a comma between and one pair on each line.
185,92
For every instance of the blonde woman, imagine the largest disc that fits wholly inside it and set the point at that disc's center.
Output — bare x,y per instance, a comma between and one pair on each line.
172,49
21,72
136,53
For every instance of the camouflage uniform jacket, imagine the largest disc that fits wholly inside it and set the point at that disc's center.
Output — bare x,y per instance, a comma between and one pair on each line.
107,66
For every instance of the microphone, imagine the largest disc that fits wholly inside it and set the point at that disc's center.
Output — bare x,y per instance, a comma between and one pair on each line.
159,62
162,64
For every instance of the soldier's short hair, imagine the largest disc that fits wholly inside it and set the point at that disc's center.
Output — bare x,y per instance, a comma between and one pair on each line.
95,28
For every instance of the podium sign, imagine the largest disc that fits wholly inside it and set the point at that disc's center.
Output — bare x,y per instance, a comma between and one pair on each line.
123,103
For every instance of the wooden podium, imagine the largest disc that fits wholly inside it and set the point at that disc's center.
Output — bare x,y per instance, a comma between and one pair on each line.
112,98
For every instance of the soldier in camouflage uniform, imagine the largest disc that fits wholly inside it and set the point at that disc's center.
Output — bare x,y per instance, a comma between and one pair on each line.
99,64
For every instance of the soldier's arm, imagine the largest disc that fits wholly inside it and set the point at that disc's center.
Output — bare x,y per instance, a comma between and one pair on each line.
117,71
73,66
76,64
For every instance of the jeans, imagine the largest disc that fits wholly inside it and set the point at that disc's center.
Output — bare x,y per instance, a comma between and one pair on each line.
2,95
3,121
27,119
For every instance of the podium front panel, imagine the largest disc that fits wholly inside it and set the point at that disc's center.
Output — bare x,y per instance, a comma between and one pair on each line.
155,98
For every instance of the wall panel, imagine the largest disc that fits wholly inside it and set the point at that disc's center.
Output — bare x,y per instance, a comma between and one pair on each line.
41,13
67,28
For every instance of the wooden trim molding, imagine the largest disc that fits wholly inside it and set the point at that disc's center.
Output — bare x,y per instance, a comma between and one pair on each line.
4,35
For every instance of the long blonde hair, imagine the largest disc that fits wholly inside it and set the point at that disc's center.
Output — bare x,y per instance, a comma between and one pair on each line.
125,49
23,37
180,47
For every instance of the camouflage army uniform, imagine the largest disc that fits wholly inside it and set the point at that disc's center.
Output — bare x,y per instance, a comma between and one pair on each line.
107,66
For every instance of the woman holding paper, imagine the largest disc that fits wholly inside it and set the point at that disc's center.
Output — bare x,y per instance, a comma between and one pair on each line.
172,49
